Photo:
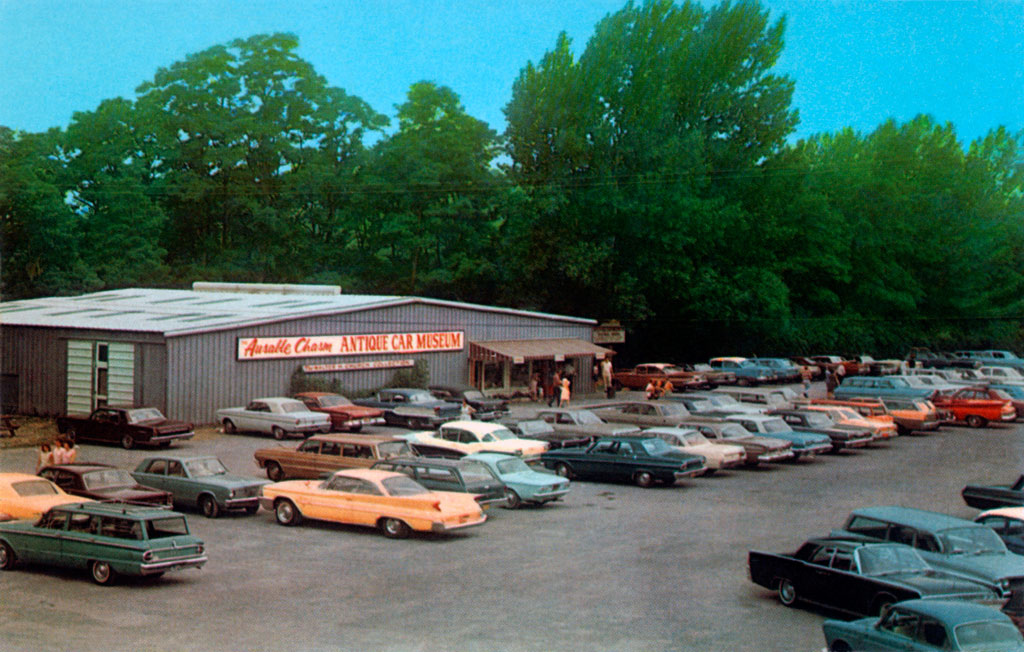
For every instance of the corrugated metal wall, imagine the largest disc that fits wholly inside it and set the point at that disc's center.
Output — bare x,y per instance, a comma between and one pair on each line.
204,374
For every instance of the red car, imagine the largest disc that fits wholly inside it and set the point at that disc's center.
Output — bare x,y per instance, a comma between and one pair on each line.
976,406
344,414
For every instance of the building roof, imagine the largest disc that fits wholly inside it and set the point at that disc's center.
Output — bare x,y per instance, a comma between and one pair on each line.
185,312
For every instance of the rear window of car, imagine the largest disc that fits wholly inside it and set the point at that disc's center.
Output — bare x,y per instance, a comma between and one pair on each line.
867,526
34,488
159,528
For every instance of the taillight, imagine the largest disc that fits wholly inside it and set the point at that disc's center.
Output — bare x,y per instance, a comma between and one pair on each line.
147,556
437,410
436,505
200,549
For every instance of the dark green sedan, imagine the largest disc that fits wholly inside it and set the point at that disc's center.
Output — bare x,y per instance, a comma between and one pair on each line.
639,459
107,539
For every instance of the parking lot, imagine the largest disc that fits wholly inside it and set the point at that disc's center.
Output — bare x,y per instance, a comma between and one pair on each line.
612,567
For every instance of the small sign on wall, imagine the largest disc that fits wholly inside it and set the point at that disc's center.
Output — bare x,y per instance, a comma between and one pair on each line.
357,366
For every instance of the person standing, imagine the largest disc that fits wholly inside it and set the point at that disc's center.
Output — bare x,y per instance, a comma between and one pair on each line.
556,387
565,393
830,382
45,457
534,389
606,377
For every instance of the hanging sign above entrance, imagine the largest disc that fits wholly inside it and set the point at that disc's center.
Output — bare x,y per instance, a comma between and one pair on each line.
315,346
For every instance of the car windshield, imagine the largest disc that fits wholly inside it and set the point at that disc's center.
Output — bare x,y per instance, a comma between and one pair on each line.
673,369
166,527
537,427
34,488
475,473
700,405
694,438
107,478
293,406
723,400
512,465
818,420
205,467
502,433
987,635
776,425
971,541
474,395
734,431
334,400
587,418
655,446
1001,394
393,448
747,364
144,414
420,397
884,560
672,410
401,485
848,414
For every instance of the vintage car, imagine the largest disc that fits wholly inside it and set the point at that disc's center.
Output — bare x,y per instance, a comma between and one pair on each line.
881,427
834,362
879,387
644,413
27,496
809,369
412,408
544,431
870,367
921,357
715,377
946,542
1002,375
459,438
278,416
484,407
909,415
859,577
343,413
1008,523
717,455
576,423
108,539
785,371
758,449
324,454
392,502
992,393
200,481
523,484
103,482
805,444
775,397
747,372
926,625
126,426
642,460
638,377
994,357
985,496
843,436
461,476
975,406
717,403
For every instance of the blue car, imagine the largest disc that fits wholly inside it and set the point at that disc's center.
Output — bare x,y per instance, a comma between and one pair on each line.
926,625
523,484
995,357
805,444
879,387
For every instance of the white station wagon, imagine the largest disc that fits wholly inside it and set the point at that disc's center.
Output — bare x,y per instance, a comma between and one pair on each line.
278,416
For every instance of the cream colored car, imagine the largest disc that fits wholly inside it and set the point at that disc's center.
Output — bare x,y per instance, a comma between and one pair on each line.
458,438
717,456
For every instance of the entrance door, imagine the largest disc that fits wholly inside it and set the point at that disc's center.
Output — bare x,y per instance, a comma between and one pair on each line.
99,373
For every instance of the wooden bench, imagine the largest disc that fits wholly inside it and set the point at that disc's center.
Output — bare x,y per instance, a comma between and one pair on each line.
8,426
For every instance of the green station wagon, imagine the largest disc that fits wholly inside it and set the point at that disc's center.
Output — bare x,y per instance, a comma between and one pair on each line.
108,539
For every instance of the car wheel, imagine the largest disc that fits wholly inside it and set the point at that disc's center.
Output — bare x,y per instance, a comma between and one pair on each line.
356,428
128,442
787,592
512,499
976,421
708,472
229,427
394,528
643,479
7,557
840,646
278,432
275,472
743,382
286,512
252,509
102,573
71,434
563,470
208,506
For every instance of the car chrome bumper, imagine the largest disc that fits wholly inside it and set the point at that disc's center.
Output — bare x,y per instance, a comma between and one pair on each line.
773,457
238,503
448,527
689,473
171,564
171,437
548,495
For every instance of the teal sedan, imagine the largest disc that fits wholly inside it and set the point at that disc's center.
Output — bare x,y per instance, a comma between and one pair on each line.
927,625
522,483
200,482
107,539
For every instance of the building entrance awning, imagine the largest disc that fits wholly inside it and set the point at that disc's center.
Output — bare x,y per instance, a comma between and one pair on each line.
519,351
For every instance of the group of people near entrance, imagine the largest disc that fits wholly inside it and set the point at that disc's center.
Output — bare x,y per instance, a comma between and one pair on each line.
658,388
60,451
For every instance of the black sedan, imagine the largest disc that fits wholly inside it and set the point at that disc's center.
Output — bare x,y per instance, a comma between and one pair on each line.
643,460
103,482
983,496
858,577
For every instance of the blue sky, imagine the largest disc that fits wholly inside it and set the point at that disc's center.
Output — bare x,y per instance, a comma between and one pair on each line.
855,63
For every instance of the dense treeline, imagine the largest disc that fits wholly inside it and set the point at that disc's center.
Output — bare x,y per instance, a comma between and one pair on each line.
649,179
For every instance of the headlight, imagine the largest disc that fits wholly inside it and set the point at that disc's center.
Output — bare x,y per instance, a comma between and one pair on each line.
231,494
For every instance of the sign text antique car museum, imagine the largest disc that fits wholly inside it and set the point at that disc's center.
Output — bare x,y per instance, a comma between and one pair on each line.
259,348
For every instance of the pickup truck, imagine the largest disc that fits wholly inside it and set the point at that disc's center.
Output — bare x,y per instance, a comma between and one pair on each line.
126,426
639,376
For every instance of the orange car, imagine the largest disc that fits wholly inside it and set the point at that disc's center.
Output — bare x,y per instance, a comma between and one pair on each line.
391,501
908,414
973,406
882,427
27,496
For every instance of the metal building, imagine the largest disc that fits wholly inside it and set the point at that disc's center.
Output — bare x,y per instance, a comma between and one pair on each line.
190,352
